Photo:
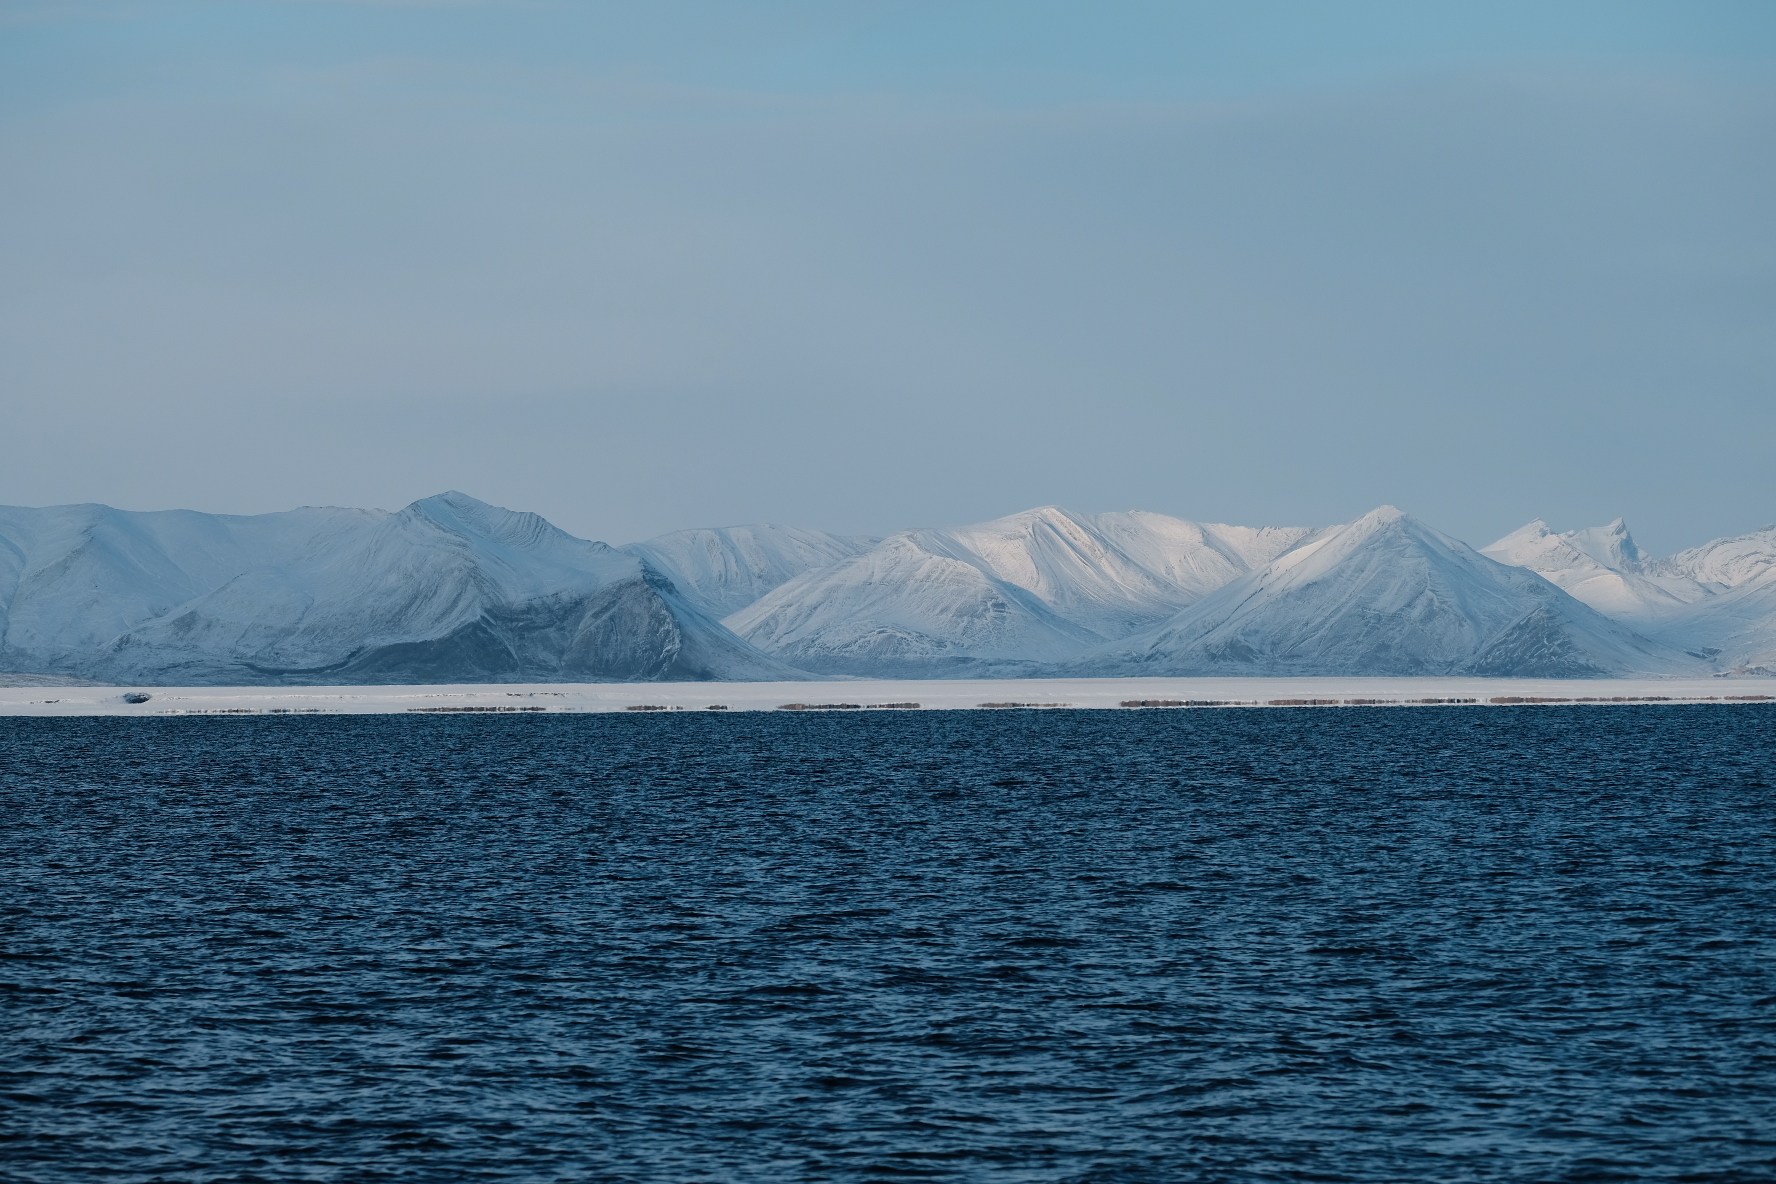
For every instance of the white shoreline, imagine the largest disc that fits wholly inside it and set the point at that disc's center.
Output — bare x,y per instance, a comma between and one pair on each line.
927,694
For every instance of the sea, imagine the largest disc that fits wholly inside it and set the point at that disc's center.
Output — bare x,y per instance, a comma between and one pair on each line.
1425,944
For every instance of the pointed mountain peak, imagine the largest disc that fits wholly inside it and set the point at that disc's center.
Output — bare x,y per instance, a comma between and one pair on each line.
1387,593
1028,519
1610,545
1625,544
1617,533
1388,519
1525,536
1383,516
452,502
459,514
1537,545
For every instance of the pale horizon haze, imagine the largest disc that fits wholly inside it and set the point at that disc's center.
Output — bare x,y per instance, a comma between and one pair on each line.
867,266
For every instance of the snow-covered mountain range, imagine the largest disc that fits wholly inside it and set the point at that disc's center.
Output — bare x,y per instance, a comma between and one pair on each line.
1001,598
454,590
1600,565
448,589
1387,595
1717,601
1049,591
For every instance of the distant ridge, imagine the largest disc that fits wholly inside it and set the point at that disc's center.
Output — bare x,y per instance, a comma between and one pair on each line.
723,569
1600,565
1000,598
451,589
1716,602
1387,595
448,589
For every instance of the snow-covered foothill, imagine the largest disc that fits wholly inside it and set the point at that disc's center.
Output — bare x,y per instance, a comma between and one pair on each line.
72,578
1736,629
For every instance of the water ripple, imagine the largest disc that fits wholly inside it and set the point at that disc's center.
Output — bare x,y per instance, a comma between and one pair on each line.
1392,945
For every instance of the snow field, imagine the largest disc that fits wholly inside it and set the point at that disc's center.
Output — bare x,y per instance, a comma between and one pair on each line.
864,696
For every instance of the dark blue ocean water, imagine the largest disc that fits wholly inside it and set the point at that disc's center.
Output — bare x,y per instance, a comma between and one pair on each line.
1398,944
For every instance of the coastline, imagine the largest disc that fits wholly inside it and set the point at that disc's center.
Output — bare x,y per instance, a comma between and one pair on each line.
864,695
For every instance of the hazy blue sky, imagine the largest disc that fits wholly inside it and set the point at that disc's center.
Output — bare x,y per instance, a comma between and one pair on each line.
868,265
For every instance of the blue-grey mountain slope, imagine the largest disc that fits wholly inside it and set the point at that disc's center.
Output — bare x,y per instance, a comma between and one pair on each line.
1387,595
723,569
448,590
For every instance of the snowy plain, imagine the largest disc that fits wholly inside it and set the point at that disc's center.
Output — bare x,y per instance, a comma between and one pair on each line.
869,694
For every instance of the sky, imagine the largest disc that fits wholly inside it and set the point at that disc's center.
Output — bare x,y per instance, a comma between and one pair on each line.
869,265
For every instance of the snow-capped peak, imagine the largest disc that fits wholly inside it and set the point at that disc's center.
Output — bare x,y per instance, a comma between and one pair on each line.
1379,516
467,517
1039,585
1610,545
1726,563
446,589
1385,594
1600,565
